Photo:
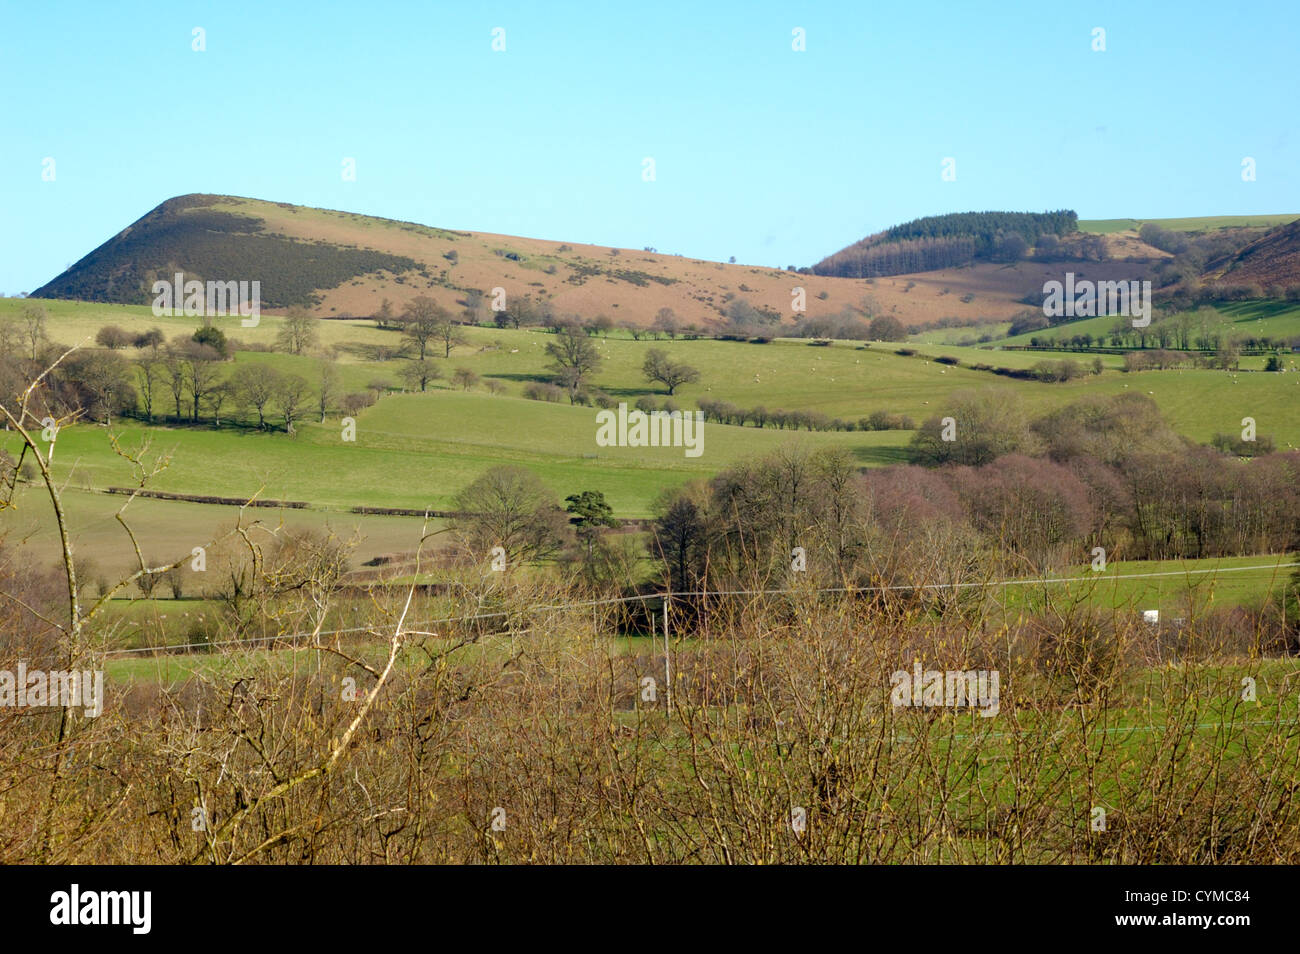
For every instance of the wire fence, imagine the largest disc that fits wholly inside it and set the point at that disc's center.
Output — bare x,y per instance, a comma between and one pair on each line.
293,640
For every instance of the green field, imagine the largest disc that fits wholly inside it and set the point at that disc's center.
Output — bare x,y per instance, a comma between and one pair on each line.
1176,588
168,529
1201,223
1242,319
418,450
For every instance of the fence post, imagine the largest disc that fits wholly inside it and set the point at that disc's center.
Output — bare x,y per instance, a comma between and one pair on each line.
668,670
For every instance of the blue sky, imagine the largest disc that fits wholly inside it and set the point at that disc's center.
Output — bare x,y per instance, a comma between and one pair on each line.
774,156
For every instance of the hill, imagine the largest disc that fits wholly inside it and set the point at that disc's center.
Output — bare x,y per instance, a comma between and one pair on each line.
1201,223
1272,259
339,264
946,241
956,270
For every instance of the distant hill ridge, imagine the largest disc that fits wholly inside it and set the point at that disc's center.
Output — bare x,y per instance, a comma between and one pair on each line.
954,269
187,234
947,241
343,264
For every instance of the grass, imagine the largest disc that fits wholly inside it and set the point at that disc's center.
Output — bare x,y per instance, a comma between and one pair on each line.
1201,223
1274,319
168,529
76,322
1176,588
1186,585
419,450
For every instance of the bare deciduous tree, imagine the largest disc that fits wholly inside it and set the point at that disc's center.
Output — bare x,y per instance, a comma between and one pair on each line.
298,333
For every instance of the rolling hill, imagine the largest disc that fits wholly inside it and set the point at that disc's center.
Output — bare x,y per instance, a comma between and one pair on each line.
340,264
343,265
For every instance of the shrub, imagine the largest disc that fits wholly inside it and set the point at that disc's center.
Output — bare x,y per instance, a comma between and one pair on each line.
887,328
1228,444
213,337
113,336
153,338
464,378
356,402
544,391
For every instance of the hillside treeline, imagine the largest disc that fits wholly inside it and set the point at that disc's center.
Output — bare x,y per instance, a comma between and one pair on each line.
984,227
947,241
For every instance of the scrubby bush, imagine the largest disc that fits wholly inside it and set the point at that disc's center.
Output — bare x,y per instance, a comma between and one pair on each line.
113,337
544,391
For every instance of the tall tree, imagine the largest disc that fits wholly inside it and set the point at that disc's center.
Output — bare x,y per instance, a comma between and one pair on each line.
329,387
666,322
422,321
203,371
671,374
256,386
216,398
290,397
176,371
574,357
450,334
510,507
148,371
419,372
589,514
34,328
299,332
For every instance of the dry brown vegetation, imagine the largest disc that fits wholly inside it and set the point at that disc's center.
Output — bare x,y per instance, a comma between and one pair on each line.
784,711
514,730
631,286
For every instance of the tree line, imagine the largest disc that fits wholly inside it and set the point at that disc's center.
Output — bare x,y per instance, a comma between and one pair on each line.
950,241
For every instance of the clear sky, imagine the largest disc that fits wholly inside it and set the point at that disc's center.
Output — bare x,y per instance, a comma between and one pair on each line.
774,156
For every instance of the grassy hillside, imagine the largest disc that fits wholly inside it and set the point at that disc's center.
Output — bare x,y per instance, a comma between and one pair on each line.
1188,224
1272,319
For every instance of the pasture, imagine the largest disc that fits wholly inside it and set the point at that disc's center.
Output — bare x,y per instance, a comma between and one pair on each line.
418,450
